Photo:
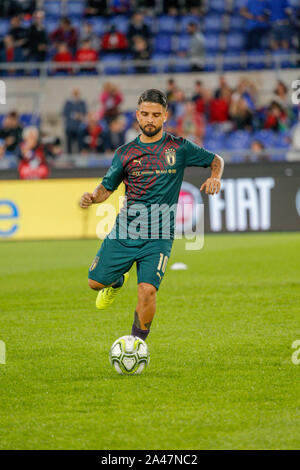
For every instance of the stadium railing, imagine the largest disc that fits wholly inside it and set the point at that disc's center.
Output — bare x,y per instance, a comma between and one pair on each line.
171,64
96,160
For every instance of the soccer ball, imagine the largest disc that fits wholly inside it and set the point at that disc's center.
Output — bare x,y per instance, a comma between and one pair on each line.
129,355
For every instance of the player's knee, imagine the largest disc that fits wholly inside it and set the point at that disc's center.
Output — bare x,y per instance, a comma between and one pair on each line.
147,292
94,284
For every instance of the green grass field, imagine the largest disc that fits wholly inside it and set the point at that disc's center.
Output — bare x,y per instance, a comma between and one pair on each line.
221,375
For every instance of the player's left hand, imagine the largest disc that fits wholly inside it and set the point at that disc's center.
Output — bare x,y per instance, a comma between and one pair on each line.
211,186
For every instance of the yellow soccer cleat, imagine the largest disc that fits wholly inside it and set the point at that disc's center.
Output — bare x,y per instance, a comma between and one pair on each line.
107,295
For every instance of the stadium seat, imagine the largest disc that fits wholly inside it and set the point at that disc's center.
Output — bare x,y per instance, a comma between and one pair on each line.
212,42
281,59
130,118
4,27
185,20
53,8
255,60
120,22
294,3
213,23
159,63
209,128
183,42
214,131
126,66
99,25
235,42
75,8
282,141
237,159
167,24
76,22
215,144
266,136
236,23
163,43
238,4
151,23
29,119
218,6
238,140
279,156
231,61
112,64
210,64
179,64
50,24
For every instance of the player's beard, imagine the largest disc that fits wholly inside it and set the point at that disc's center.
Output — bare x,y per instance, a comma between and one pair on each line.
150,131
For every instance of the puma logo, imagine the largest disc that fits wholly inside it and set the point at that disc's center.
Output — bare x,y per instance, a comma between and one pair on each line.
138,161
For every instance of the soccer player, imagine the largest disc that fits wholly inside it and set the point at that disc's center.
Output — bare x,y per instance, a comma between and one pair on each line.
151,167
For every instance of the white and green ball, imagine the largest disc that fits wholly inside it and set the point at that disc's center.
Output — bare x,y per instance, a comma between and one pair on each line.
129,355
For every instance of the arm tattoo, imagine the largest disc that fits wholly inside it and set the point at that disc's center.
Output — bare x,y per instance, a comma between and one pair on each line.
217,166
101,194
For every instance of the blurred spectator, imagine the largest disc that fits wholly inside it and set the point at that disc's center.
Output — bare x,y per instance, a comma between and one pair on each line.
203,104
223,87
7,159
173,6
114,41
74,113
37,38
11,131
294,16
198,91
256,13
10,8
171,124
87,34
245,89
86,54
120,6
51,145
11,53
258,153
219,107
65,33
241,115
110,100
138,27
276,117
19,34
281,95
171,93
196,50
295,155
190,124
63,55
140,51
2,149
95,8
281,30
114,137
132,132
178,105
32,156
91,135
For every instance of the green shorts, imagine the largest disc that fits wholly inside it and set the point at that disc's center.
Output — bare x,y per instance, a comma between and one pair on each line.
115,257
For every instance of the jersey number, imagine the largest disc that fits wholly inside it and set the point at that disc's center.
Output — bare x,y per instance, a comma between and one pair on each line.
162,264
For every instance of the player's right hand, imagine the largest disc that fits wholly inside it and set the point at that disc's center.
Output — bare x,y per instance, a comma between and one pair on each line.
86,200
